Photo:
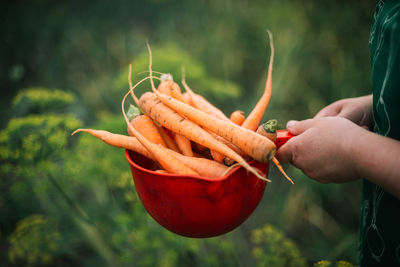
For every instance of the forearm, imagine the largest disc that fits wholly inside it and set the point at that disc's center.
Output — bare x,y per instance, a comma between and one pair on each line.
377,159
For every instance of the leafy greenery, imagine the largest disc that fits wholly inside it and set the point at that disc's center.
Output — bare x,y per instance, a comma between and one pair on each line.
39,100
273,249
35,241
36,137
325,263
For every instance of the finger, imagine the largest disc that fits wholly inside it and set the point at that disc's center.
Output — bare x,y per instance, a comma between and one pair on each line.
298,127
328,111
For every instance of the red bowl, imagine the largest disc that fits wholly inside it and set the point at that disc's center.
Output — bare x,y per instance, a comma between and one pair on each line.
195,206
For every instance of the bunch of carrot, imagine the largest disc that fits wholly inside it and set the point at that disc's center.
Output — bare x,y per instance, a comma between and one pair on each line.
186,134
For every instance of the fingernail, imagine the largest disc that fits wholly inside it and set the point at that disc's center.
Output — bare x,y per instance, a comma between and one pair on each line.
290,124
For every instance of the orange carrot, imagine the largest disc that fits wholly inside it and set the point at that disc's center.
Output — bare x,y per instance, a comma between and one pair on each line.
153,107
228,161
253,144
200,165
184,144
167,85
278,165
203,166
202,104
268,129
168,162
187,98
118,140
178,124
253,120
171,88
177,93
167,139
237,117
218,157
145,125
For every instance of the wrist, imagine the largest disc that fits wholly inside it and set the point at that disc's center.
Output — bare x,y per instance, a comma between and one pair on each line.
367,119
366,153
354,155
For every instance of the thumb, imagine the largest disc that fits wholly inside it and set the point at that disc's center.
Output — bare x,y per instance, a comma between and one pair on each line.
298,127
284,153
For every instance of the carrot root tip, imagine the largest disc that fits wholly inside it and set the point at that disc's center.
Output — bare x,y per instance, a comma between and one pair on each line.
77,131
278,165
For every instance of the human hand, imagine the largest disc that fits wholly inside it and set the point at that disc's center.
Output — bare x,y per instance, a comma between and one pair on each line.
357,110
321,148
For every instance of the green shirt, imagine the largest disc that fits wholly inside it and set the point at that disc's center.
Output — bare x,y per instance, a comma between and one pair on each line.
380,211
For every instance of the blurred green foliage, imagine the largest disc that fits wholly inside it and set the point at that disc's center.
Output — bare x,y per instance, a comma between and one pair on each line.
326,263
35,241
39,100
71,200
35,137
169,58
273,249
